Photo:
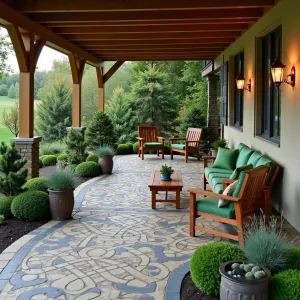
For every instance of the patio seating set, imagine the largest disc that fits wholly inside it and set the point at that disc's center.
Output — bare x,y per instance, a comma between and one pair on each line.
240,181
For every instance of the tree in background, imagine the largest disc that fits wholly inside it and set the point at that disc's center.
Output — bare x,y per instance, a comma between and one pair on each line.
122,117
55,113
3,90
152,101
5,49
12,92
10,119
100,131
39,82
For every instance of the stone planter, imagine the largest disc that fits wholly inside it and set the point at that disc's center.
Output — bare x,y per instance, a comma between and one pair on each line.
61,204
213,152
243,289
106,164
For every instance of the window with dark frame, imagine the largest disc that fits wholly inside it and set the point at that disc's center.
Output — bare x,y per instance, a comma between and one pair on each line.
238,95
271,98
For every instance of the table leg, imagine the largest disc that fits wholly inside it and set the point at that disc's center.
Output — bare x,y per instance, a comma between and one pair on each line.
154,199
166,196
177,199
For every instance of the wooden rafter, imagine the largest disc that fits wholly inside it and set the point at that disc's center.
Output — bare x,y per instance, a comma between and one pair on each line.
112,70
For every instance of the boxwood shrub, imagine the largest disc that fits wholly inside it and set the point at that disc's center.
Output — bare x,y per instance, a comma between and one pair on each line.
63,157
49,160
5,204
37,184
41,163
88,169
206,262
294,258
285,285
123,149
93,158
130,146
136,147
31,206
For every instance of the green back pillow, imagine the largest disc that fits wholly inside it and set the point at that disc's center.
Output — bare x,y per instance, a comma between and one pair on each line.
236,173
226,159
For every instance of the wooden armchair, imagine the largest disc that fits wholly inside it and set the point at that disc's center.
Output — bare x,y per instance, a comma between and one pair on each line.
191,145
150,141
245,203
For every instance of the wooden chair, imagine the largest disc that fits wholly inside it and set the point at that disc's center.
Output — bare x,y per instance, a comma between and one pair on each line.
191,145
150,141
245,203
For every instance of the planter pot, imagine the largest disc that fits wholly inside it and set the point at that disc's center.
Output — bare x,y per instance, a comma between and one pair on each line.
61,204
213,152
240,288
166,177
106,164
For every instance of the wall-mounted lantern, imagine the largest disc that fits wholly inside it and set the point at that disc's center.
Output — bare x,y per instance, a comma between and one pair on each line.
277,70
240,83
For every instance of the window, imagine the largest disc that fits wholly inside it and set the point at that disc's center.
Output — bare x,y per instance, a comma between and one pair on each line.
271,98
238,95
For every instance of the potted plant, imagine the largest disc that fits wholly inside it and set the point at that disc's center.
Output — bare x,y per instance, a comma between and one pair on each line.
61,183
241,280
166,172
216,144
105,161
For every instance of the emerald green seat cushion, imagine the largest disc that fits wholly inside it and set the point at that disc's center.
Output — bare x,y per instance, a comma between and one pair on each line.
210,205
236,173
265,161
226,158
253,159
152,145
182,147
209,170
218,188
243,157
241,146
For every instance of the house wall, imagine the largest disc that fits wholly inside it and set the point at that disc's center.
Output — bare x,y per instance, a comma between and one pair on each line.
286,193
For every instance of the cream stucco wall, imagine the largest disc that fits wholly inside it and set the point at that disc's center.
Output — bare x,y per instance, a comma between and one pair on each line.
286,194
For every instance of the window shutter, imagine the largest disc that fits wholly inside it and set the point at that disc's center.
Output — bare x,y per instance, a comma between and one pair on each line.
224,93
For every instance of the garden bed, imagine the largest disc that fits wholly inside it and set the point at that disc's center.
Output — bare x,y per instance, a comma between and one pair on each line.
189,291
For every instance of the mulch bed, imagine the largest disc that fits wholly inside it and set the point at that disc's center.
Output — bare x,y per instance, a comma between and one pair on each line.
189,291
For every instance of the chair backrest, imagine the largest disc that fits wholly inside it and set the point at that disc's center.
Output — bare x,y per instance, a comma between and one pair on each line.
194,134
149,133
252,189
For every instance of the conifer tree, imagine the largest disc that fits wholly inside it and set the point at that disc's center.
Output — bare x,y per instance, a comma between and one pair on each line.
12,169
76,147
11,92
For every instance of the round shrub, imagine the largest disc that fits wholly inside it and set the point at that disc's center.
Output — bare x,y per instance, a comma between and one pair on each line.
88,169
294,258
285,285
206,262
36,184
123,149
5,204
41,163
130,146
136,147
49,160
63,157
31,206
93,157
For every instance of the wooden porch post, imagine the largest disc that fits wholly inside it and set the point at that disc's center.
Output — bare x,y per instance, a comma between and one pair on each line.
77,67
100,75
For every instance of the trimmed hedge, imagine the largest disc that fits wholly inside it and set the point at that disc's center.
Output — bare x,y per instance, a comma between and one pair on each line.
206,262
93,157
285,285
37,184
123,149
294,258
130,146
136,147
63,157
167,149
41,163
49,160
5,204
88,169
31,206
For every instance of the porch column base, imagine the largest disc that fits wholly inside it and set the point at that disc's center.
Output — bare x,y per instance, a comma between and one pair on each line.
30,149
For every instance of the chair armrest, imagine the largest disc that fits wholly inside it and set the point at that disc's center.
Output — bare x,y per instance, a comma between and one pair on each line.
140,139
227,182
215,195
177,139
206,159
161,138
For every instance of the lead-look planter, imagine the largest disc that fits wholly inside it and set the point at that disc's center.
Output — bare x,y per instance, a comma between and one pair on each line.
105,161
241,288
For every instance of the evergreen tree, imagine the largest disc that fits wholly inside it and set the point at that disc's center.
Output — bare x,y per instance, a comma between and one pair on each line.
121,115
17,88
76,147
10,119
55,113
3,90
11,92
100,131
153,103
12,169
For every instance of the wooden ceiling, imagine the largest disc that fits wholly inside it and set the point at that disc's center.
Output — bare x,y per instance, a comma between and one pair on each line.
139,29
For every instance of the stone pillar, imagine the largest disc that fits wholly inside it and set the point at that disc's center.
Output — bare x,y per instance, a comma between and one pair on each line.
213,118
30,149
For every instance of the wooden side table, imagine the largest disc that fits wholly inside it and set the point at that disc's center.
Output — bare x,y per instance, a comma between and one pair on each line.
174,185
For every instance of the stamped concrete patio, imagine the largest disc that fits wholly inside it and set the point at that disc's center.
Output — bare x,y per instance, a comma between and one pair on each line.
116,247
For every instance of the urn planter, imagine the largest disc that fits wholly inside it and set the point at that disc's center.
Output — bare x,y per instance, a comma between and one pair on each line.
106,164
241,288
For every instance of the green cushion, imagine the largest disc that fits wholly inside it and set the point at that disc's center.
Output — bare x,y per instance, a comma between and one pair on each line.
181,147
239,185
152,145
241,146
218,175
210,205
216,180
226,158
253,159
210,170
243,157
218,188
237,171
265,161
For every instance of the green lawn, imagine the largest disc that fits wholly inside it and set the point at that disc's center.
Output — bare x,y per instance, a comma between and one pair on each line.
5,103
